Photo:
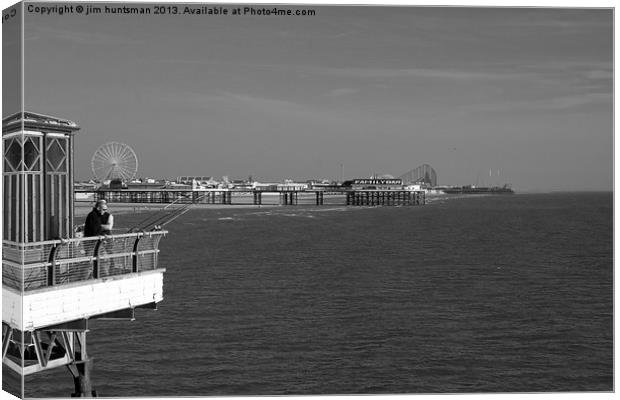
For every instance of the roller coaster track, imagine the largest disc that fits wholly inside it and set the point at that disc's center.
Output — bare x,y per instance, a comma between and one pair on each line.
422,174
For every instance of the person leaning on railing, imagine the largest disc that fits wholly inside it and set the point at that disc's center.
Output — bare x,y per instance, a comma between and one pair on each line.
99,221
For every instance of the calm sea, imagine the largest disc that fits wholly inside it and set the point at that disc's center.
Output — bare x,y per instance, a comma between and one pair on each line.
476,294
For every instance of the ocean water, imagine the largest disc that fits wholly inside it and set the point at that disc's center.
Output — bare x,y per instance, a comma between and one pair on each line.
474,294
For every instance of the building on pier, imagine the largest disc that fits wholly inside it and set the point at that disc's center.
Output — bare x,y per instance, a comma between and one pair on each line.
373,184
53,283
203,181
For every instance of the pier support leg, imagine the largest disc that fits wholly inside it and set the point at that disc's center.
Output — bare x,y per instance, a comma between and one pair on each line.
319,198
81,379
81,369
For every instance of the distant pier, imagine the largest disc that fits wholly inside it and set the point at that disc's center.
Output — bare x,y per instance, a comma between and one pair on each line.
346,197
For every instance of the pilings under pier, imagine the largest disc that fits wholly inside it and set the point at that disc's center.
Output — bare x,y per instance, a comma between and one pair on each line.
289,198
385,198
320,198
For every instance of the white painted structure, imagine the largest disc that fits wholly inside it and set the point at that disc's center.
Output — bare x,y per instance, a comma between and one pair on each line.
55,305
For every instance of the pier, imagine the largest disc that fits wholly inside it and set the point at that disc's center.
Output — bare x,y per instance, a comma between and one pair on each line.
54,282
316,197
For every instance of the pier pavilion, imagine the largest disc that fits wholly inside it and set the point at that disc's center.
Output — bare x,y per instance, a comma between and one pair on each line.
54,283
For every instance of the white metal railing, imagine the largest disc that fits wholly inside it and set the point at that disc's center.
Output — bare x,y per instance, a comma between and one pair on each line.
27,266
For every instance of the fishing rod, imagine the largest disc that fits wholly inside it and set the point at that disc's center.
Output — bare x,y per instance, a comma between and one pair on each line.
161,219
164,216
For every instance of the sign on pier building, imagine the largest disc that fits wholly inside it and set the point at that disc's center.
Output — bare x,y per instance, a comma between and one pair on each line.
374,183
53,283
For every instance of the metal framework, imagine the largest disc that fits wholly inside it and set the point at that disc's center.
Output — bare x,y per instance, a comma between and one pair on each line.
44,349
422,174
53,346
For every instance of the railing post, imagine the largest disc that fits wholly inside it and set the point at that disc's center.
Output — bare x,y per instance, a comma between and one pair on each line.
134,257
96,260
51,269
51,273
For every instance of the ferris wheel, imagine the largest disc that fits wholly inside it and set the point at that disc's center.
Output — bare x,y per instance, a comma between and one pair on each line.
114,161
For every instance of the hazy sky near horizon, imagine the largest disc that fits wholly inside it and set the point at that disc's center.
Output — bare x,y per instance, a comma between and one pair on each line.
381,90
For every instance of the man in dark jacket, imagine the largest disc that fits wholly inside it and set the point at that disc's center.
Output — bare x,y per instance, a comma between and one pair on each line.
92,225
99,223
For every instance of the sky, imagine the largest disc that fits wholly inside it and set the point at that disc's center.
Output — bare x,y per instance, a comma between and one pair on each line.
379,90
